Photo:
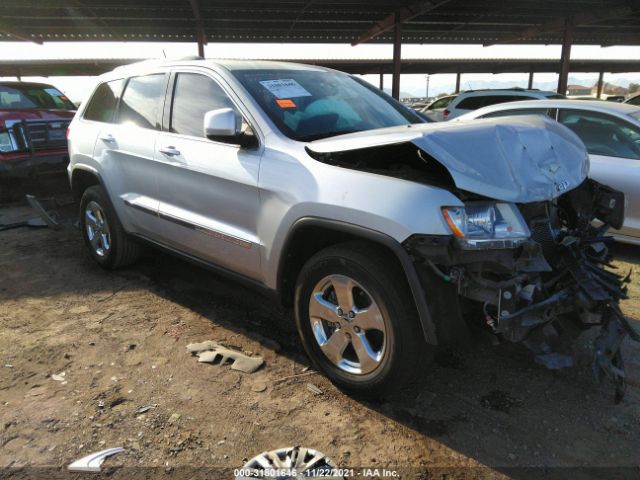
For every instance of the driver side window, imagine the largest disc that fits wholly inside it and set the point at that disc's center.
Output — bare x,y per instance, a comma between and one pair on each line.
193,96
603,134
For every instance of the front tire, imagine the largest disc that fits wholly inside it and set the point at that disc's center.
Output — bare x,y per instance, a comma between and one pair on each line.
357,320
108,243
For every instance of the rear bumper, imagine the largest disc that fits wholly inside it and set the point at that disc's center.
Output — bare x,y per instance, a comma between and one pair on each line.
39,164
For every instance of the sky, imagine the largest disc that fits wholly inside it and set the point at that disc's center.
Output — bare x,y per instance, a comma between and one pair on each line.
77,88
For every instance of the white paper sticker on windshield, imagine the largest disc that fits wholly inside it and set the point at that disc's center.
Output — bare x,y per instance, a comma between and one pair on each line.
54,92
285,88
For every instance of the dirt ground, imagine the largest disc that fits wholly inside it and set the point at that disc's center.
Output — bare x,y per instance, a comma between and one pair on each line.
118,340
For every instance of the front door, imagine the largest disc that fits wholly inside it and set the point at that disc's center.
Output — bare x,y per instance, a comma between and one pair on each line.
208,189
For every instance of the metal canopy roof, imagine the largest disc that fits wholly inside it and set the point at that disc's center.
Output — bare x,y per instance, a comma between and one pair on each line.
603,22
70,67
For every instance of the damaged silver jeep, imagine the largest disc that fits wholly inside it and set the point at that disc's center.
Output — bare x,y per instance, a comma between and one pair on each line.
388,236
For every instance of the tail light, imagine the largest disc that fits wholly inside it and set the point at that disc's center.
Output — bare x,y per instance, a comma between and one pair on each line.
446,113
68,132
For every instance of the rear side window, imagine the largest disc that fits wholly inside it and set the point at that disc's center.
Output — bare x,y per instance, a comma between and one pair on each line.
103,103
440,103
142,100
603,134
473,103
635,100
193,96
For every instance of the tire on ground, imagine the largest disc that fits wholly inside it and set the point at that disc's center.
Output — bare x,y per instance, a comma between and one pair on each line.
123,251
378,272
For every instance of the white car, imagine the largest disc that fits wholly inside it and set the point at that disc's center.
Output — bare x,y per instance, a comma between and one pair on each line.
472,100
611,133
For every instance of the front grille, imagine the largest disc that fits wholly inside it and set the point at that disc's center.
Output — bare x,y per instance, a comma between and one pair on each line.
36,135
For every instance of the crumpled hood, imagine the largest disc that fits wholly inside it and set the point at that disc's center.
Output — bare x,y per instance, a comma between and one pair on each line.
515,159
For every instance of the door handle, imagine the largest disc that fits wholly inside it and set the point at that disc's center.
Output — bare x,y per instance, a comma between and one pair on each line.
170,151
108,138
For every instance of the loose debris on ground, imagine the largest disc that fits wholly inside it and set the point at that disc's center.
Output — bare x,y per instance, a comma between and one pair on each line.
210,352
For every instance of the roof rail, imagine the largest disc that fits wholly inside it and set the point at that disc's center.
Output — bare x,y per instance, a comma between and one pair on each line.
158,60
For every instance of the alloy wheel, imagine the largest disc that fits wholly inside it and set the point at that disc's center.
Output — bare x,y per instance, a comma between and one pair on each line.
348,325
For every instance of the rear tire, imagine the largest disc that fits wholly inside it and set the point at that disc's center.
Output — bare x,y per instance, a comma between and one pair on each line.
108,243
372,346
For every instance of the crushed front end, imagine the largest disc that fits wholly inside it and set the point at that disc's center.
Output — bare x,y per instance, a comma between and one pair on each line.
537,272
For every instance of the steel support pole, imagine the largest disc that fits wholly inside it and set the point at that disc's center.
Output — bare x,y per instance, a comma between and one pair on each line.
200,45
600,84
530,84
458,75
565,56
397,58
382,79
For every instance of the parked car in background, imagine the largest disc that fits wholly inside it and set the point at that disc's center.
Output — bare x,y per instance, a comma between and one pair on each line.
371,224
474,99
435,110
611,133
33,123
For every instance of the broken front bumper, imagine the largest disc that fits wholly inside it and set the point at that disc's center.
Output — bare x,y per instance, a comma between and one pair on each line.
536,292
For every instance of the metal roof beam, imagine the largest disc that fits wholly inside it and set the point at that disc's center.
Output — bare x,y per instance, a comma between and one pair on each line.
404,14
17,33
558,25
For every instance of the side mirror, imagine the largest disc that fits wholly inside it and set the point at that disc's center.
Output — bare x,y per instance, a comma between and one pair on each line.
222,124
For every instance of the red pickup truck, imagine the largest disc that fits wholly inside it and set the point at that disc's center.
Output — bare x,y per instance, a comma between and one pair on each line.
33,123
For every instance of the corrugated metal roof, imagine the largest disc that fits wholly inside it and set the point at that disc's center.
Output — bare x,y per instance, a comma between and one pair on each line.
605,22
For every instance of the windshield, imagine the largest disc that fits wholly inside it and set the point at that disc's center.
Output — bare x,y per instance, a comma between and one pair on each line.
33,96
308,105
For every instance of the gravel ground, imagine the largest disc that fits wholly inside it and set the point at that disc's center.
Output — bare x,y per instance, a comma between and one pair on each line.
116,342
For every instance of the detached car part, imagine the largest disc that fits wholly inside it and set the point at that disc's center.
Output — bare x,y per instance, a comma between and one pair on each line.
92,462
280,463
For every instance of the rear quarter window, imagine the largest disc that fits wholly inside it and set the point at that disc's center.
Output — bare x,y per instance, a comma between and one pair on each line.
102,105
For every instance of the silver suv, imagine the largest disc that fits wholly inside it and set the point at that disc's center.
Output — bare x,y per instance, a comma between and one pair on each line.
386,235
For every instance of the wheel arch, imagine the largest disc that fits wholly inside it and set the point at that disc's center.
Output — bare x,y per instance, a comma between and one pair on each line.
83,177
309,235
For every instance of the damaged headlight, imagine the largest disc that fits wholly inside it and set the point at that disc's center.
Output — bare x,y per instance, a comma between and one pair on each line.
486,225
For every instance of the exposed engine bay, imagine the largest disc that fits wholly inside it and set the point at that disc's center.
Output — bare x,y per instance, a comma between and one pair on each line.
551,287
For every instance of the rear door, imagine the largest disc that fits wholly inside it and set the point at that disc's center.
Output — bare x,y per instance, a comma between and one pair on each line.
125,150
614,150
208,189
99,111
